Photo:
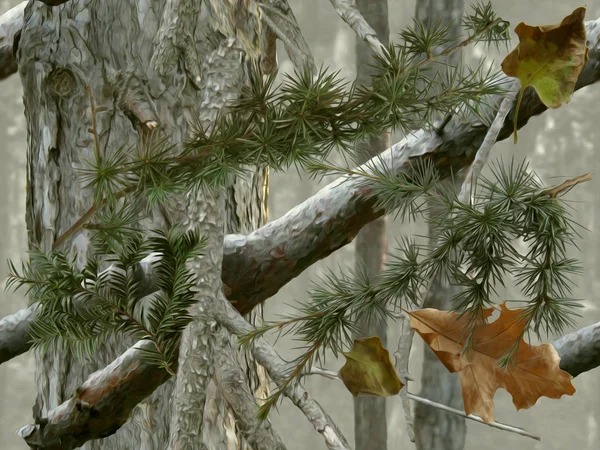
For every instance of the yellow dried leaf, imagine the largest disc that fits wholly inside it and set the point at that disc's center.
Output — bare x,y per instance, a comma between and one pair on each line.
536,371
368,369
549,58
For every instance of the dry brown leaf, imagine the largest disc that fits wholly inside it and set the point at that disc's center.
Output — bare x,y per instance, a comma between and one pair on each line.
369,370
549,58
535,373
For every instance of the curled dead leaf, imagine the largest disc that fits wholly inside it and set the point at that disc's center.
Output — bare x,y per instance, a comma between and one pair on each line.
536,371
549,58
369,370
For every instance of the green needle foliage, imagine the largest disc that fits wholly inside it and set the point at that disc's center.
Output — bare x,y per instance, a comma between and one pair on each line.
512,227
81,309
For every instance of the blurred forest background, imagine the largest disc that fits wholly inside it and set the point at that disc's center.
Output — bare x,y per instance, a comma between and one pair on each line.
558,144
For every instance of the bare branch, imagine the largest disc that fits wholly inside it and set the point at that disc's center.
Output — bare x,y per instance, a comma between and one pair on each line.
11,23
484,151
335,375
402,357
100,405
350,14
279,17
233,384
579,351
277,369
500,426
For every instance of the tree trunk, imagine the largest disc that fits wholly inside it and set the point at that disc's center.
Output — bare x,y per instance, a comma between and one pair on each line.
434,428
370,422
109,45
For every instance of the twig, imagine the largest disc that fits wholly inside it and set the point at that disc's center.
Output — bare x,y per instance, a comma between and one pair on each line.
402,356
498,425
277,369
335,375
567,185
485,149
83,220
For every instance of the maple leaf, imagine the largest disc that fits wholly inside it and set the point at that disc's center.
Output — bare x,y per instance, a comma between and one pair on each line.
368,369
549,58
535,372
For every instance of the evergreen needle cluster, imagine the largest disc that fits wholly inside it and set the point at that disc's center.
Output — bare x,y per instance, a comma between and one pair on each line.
300,122
513,227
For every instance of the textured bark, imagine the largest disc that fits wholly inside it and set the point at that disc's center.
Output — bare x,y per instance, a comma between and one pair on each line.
109,46
370,421
258,264
434,428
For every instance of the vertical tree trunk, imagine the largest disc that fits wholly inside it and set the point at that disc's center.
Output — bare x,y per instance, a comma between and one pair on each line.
370,422
436,429
108,45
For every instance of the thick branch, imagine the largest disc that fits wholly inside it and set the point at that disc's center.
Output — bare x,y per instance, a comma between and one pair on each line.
256,266
100,405
105,400
579,351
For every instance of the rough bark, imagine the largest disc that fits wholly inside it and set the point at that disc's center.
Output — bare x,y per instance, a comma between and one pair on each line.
370,421
258,264
115,390
454,150
108,45
433,427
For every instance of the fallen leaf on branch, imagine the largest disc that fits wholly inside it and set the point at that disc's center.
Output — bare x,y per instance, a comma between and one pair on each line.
369,370
549,58
535,373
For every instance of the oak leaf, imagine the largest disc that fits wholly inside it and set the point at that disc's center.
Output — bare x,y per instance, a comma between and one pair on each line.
535,372
368,369
549,58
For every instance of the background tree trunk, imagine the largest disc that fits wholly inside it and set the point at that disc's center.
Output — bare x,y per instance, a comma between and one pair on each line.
108,45
370,421
434,428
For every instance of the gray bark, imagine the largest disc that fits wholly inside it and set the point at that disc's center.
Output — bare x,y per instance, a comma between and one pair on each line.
257,265
109,46
434,428
370,421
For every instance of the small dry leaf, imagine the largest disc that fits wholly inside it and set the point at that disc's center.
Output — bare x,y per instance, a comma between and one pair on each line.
536,371
549,58
369,370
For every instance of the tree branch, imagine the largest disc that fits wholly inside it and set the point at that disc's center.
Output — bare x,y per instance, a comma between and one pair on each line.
350,14
280,19
105,400
11,23
258,265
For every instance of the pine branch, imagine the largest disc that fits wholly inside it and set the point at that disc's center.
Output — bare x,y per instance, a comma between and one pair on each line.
475,251
342,204
113,392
